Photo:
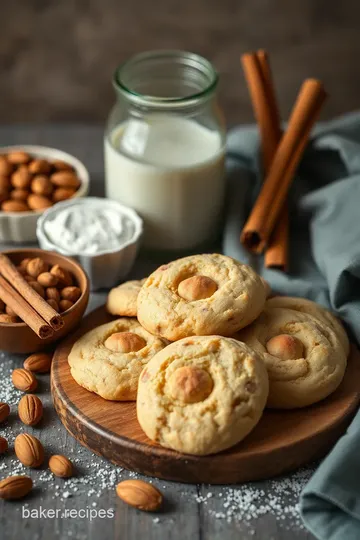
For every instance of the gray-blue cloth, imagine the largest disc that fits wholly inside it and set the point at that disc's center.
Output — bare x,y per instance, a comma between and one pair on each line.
325,267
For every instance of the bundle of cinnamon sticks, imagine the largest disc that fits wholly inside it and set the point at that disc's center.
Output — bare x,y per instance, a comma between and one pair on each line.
267,226
26,302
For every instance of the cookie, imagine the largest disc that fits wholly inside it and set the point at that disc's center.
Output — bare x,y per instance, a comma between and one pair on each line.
304,357
319,312
200,295
109,359
202,394
122,299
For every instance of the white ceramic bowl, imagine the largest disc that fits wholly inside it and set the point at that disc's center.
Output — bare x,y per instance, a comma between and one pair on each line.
108,267
20,227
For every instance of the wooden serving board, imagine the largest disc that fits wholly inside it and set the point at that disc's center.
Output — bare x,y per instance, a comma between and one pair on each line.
281,442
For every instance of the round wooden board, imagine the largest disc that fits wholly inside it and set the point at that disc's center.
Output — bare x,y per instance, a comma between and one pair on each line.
281,442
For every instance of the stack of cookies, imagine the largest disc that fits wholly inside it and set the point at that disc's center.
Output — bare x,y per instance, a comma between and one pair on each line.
203,352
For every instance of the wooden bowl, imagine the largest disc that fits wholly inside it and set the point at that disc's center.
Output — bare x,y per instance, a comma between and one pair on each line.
18,337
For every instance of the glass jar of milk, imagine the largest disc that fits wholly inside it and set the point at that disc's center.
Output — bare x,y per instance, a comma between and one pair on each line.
165,145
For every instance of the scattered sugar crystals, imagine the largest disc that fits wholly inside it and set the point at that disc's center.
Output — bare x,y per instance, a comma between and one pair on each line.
245,504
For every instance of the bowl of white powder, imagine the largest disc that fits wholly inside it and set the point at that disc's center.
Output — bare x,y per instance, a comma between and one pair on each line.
103,235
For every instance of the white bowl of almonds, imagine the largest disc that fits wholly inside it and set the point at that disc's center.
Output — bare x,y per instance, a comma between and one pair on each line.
32,179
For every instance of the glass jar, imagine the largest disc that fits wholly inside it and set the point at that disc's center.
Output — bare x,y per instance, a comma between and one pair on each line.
165,147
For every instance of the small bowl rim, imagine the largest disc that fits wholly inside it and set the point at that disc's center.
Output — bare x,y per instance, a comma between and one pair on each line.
137,220
43,152
8,252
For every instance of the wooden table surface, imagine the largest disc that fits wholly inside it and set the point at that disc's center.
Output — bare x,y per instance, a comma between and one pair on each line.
261,511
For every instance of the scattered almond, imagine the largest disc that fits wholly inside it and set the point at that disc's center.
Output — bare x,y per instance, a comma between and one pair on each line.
14,206
139,494
38,202
4,411
3,445
61,466
46,279
15,487
29,450
53,304
4,183
24,380
62,165
38,362
5,166
38,288
30,410
71,293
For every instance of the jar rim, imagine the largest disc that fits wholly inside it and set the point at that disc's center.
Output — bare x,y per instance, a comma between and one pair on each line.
189,59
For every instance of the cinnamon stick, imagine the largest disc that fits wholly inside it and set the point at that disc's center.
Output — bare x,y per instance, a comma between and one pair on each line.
258,78
270,201
276,254
17,303
50,316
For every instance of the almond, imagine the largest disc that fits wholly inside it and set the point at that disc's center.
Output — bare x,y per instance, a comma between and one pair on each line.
24,380
62,194
64,276
19,195
61,466
53,303
38,288
3,445
15,487
21,178
62,165
140,495
10,311
25,262
39,166
14,206
29,450
36,266
71,293
18,157
30,410
64,305
38,362
4,411
47,280
38,202
4,183
65,179
8,319
6,167
52,294
41,185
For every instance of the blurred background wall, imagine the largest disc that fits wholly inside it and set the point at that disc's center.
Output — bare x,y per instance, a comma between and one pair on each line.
57,56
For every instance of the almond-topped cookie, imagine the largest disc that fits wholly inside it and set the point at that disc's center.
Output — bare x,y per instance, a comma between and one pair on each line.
108,360
202,394
200,295
122,300
304,357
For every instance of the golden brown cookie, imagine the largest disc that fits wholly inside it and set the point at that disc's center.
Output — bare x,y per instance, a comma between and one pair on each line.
202,394
304,357
319,312
200,295
108,360
122,299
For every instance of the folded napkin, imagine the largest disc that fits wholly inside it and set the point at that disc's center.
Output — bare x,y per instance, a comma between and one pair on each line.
324,255
324,265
